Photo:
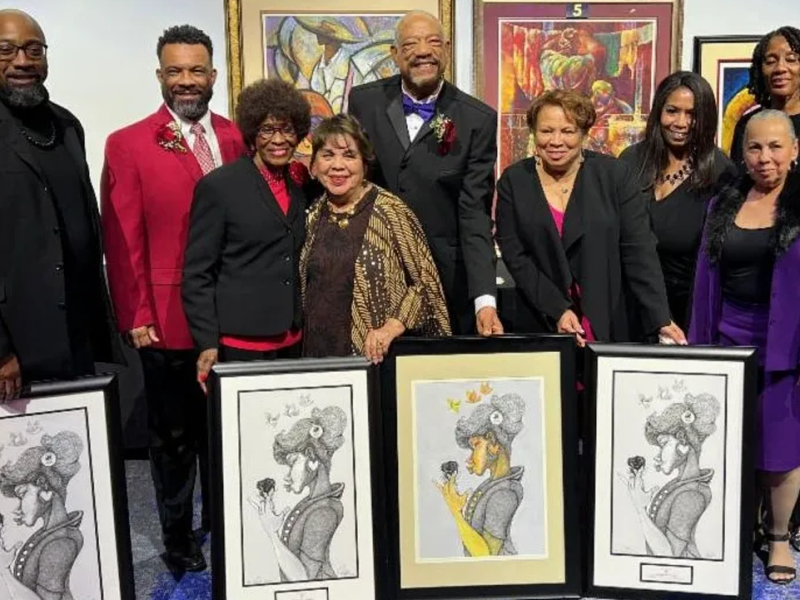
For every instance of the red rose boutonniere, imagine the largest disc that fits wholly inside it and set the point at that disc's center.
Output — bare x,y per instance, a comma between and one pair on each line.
170,137
445,132
299,173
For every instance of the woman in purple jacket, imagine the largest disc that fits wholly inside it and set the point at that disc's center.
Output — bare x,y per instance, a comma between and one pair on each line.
747,294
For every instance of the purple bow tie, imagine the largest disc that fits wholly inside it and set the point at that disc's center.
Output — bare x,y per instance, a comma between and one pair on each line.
423,110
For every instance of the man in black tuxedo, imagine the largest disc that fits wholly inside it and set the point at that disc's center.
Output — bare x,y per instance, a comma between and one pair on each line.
55,314
436,148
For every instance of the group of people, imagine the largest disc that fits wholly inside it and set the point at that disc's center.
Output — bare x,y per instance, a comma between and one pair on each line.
220,247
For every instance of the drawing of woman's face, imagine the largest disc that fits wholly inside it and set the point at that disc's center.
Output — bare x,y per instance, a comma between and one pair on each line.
668,457
478,460
31,505
299,475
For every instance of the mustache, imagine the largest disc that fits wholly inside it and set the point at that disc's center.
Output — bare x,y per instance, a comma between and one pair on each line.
182,89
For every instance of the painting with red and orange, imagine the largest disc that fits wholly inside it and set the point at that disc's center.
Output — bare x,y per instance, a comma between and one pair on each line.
609,61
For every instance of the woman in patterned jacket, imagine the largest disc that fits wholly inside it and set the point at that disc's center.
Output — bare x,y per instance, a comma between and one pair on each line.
366,271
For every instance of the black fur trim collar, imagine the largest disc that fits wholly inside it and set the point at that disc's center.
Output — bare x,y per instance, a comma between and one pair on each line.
727,204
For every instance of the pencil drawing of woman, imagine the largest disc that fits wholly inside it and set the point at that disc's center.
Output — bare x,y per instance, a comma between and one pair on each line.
484,518
38,480
302,536
669,516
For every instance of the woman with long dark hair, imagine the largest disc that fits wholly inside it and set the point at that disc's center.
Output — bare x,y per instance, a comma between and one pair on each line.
774,81
680,167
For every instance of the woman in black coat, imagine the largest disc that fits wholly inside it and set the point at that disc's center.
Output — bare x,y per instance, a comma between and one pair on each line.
573,230
241,287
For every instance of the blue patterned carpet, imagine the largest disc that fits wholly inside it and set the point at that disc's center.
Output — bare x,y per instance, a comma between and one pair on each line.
155,582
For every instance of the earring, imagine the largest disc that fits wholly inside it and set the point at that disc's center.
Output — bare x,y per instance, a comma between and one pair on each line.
583,156
793,166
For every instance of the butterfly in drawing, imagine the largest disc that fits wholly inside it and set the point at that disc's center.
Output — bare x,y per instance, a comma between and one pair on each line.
645,400
679,385
454,405
291,410
305,400
272,420
17,439
486,389
33,427
473,397
664,393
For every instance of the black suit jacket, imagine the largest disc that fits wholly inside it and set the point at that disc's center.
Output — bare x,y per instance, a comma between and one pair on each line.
451,194
607,244
240,270
33,317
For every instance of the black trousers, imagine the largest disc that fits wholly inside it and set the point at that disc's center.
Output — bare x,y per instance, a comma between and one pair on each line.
176,417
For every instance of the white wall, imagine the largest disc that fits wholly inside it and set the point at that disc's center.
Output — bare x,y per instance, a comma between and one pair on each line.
102,52
102,56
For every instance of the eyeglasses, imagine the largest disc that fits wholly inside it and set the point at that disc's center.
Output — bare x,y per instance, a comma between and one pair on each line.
267,132
33,50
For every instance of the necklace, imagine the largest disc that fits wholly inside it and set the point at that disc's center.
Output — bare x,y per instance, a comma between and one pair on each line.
342,217
563,186
48,143
679,175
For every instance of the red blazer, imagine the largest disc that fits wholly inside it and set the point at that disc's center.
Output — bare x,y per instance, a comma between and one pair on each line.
145,196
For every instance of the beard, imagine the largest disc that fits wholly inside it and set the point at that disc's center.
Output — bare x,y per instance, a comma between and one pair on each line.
191,110
28,96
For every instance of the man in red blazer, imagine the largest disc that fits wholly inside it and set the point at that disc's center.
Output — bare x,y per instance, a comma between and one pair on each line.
151,168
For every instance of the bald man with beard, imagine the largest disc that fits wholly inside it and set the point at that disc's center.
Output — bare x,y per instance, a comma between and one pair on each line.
56,320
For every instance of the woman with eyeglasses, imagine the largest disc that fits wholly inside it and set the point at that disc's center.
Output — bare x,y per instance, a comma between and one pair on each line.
241,291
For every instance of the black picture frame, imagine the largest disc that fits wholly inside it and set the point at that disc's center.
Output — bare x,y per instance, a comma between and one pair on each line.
54,399
745,357
704,40
223,372
564,347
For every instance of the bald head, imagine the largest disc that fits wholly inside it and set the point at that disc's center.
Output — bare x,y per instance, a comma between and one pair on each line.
23,60
420,52
19,18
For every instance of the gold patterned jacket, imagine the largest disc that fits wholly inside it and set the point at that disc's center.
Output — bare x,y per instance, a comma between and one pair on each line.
395,276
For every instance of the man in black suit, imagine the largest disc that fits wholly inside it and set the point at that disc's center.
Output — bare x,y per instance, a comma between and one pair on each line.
55,315
436,148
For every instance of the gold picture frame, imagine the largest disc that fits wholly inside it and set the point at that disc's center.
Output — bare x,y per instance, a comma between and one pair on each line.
245,30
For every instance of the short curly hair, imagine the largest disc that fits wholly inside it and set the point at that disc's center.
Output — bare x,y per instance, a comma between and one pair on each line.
501,416
690,421
272,98
577,107
758,84
320,436
184,34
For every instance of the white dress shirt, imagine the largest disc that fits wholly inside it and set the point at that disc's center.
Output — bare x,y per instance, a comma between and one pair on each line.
211,136
414,123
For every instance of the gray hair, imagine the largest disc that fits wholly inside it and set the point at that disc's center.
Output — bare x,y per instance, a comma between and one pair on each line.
410,15
502,415
771,113
321,434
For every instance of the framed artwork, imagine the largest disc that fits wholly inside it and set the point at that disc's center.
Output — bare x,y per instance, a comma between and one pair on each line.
295,506
324,49
724,61
614,52
481,434
672,471
63,506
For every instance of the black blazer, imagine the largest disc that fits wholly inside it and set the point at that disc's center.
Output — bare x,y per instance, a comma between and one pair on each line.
607,244
240,270
451,194
33,319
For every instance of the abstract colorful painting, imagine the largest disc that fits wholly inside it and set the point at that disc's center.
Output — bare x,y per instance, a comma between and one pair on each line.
325,49
724,61
326,55
614,54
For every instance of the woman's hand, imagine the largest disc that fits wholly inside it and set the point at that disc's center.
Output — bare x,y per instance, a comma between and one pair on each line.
206,360
671,334
7,556
378,340
570,323
640,497
455,501
271,521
